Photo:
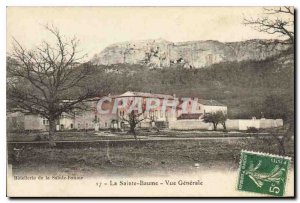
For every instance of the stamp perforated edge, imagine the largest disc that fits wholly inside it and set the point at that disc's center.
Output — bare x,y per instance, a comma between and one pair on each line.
266,154
261,154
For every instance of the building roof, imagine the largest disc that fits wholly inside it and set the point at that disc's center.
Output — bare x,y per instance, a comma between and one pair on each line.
189,116
145,95
210,102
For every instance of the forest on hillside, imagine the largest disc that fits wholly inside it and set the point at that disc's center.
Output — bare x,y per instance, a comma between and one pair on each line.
247,87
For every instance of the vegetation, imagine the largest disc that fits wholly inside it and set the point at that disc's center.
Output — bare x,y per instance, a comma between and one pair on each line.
252,130
275,21
216,118
249,88
151,157
243,86
48,80
133,119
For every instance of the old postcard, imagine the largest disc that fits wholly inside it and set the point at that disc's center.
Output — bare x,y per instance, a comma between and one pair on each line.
150,101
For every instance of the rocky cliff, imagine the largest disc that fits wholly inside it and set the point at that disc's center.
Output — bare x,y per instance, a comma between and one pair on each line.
193,54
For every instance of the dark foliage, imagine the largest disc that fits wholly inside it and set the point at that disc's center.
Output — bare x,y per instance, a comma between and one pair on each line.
243,86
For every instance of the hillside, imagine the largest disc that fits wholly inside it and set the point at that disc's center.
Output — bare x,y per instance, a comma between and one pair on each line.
243,86
160,53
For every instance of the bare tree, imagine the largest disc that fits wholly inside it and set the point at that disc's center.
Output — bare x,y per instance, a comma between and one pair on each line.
48,80
276,107
134,118
275,21
279,139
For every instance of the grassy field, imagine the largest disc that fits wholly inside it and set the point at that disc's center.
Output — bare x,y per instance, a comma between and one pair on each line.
141,133
123,158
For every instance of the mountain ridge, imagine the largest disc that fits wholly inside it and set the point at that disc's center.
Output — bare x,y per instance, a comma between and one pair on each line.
160,53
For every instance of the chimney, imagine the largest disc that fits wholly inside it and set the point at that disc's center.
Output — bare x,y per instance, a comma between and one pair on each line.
174,95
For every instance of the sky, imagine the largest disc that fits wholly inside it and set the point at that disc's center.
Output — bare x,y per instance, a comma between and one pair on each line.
98,27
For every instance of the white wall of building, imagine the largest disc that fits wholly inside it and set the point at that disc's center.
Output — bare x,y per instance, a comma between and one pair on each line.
35,122
231,124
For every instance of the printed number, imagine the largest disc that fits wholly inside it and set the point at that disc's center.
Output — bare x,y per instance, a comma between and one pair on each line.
274,189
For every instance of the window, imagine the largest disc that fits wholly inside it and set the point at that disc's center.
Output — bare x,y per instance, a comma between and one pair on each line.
71,125
121,113
161,114
45,121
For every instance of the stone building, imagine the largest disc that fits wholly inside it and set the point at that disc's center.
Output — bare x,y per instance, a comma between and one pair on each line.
90,117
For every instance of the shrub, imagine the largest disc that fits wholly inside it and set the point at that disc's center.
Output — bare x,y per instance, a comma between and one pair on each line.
115,130
38,138
252,130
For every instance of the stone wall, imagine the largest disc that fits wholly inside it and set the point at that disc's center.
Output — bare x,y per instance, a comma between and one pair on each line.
34,122
190,125
231,124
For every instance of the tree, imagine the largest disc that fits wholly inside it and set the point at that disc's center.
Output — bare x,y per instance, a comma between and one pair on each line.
276,107
215,118
275,21
49,79
279,107
222,118
133,120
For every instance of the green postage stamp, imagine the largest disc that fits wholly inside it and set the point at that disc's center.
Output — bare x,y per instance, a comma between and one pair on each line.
263,173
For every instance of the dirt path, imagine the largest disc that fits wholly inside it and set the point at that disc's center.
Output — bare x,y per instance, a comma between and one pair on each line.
141,138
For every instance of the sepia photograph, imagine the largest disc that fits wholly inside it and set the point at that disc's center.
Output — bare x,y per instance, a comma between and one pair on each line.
150,101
